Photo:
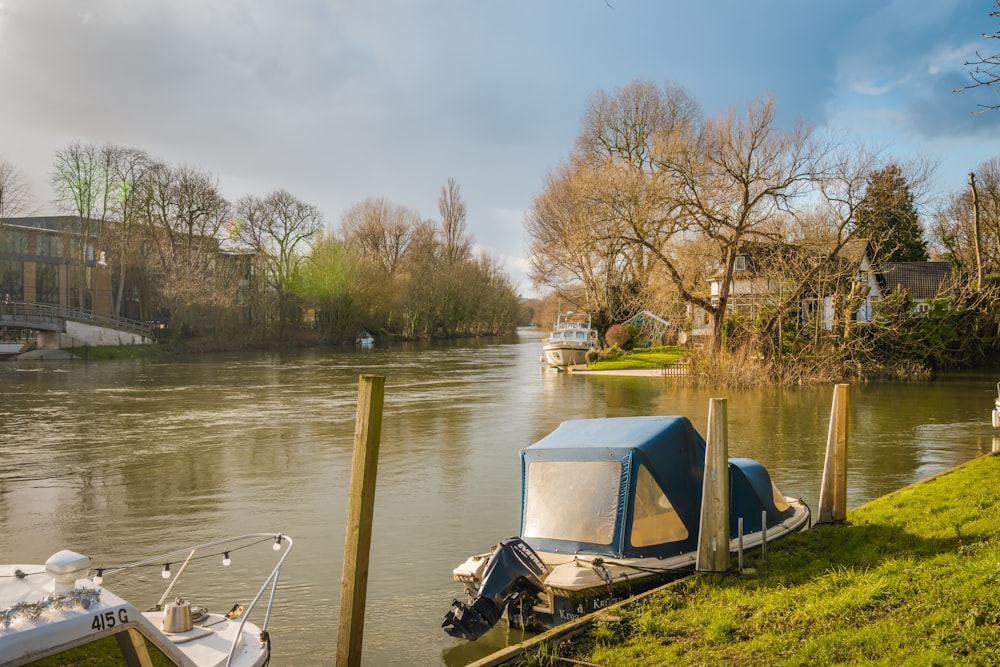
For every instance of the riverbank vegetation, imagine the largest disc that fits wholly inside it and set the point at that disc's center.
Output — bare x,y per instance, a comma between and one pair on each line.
907,580
778,247
165,246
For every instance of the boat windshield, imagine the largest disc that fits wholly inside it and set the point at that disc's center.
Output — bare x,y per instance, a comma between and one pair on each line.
576,501
780,501
654,520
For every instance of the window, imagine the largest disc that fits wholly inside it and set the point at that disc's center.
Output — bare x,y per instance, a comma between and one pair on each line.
12,279
741,263
47,245
47,283
654,519
575,501
14,243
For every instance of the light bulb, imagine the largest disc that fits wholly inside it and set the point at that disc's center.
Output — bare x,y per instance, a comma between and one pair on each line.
166,571
277,543
226,560
99,578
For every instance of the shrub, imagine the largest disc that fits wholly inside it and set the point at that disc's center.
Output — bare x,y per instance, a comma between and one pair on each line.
617,335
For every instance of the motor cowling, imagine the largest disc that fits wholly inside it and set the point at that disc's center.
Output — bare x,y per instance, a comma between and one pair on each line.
514,570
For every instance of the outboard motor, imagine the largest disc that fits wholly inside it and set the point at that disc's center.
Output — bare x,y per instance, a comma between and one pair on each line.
513,570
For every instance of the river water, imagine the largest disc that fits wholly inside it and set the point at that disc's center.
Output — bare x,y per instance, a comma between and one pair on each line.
123,459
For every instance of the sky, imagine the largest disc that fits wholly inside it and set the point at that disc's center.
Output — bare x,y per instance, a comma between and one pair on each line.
338,101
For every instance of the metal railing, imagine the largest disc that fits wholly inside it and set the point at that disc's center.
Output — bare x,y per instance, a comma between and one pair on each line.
45,312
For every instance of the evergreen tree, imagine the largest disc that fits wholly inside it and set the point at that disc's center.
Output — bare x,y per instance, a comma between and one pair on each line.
887,217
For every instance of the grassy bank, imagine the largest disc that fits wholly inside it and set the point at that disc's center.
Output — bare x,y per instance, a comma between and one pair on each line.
911,579
653,357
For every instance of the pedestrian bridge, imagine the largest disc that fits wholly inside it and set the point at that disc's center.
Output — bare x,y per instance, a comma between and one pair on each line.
65,326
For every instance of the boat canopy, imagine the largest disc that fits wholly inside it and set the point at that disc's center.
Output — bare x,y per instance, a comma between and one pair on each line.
630,487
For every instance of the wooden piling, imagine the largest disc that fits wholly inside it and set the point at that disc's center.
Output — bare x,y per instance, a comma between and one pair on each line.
833,491
361,505
713,531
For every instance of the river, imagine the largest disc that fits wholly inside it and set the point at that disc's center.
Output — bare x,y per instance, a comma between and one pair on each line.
123,459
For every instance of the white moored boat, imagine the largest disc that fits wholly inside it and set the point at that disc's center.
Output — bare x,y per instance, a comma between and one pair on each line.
60,613
571,338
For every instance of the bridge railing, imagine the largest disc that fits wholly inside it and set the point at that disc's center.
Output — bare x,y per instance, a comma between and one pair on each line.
50,312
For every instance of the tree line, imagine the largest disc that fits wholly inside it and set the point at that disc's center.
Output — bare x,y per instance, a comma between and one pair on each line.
655,201
265,269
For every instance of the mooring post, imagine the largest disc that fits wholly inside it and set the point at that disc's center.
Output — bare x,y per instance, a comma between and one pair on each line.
833,492
360,509
713,531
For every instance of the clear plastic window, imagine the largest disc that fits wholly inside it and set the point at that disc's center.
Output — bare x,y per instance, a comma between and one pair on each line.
654,520
575,501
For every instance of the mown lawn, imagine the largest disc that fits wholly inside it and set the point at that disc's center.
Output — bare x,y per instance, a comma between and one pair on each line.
910,579
651,357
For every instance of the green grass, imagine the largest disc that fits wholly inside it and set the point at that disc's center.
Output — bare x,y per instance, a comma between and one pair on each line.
652,357
911,579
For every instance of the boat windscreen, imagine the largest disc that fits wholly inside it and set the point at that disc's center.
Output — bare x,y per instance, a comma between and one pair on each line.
654,519
779,499
576,501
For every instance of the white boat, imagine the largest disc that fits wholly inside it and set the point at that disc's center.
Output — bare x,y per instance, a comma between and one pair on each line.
571,338
10,349
610,507
62,612
365,339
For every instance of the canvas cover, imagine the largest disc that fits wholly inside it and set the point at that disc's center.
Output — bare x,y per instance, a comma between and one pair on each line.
629,487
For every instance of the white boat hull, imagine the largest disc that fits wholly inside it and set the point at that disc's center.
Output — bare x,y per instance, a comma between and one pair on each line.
561,356
578,584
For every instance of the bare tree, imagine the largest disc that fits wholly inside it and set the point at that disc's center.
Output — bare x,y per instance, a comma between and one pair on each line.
953,232
381,230
80,180
457,245
565,253
280,228
15,194
129,169
985,69
731,183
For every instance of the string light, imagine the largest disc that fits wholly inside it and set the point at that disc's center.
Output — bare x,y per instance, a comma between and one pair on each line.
226,560
166,571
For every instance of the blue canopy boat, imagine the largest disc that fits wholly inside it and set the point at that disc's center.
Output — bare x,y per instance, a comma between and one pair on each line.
609,508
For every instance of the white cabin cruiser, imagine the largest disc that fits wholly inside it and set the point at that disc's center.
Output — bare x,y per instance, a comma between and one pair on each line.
572,337
60,613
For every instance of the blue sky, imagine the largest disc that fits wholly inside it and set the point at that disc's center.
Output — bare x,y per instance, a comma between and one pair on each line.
337,101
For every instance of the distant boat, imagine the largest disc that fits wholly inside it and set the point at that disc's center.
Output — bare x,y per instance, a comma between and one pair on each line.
10,349
365,339
610,508
571,338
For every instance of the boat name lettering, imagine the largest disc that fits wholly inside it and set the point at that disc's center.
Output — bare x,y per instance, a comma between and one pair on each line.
109,619
568,616
602,603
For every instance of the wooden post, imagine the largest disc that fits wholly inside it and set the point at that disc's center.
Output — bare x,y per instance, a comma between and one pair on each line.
713,531
361,505
833,492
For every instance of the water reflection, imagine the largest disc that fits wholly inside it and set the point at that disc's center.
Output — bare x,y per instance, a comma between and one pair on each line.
122,459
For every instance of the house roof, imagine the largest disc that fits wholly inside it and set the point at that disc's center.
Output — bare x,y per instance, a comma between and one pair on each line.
921,280
48,223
